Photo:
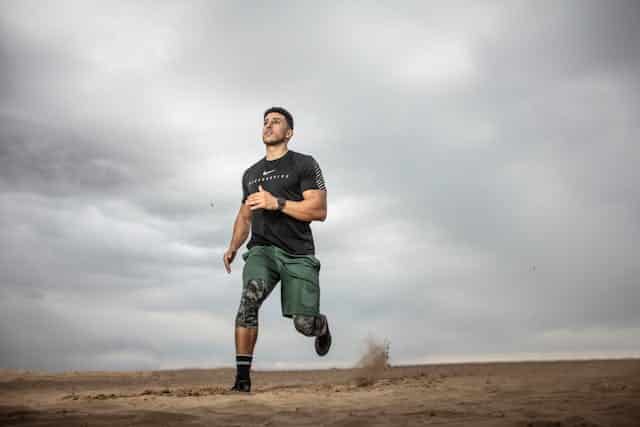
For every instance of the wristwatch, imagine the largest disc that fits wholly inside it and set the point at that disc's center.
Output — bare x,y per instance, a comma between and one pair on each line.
281,202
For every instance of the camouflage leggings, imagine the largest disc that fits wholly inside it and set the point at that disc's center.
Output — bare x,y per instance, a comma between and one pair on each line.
254,293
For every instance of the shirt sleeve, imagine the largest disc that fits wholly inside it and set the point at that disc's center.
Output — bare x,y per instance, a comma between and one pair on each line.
311,176
245,189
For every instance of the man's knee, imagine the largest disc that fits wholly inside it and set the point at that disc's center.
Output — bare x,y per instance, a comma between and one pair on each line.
252,296
308,325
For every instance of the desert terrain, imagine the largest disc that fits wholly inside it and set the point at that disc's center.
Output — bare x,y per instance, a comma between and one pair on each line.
558,393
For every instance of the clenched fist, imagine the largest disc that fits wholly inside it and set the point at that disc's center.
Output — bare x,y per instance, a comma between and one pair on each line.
262,200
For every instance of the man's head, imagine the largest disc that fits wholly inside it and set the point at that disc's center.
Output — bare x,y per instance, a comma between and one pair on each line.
278,126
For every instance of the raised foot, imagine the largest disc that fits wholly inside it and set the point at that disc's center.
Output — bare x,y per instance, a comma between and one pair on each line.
323,342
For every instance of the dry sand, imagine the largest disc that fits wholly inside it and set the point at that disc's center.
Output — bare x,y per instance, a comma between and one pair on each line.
567,393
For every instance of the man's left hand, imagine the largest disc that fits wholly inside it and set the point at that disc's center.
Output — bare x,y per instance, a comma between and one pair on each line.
262,199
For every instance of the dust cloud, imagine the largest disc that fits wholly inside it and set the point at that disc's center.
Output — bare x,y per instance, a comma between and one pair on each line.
373,362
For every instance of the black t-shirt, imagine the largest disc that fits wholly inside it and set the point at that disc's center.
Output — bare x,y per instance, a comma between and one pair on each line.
286,177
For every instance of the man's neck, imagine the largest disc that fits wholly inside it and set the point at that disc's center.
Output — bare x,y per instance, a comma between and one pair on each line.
276,151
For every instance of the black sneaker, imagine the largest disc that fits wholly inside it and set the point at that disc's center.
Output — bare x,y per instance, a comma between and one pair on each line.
323,342
242,386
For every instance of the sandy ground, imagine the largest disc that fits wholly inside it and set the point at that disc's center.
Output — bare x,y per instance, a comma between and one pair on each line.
574,393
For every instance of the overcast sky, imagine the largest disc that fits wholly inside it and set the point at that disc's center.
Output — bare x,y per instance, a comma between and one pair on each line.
481,161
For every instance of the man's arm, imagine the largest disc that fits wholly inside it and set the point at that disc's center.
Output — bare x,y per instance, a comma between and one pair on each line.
241,228
313,207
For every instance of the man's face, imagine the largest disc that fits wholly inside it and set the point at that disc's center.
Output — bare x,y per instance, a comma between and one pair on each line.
275,129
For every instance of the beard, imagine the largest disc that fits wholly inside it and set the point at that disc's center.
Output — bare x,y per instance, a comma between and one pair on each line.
274,142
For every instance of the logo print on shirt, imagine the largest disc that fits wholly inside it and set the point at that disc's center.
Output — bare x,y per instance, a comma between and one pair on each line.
265,173
268,178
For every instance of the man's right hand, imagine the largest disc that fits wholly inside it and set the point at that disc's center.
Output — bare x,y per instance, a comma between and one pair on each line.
227,258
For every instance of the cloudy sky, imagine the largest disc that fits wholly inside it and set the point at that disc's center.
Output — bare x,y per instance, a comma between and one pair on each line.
479,159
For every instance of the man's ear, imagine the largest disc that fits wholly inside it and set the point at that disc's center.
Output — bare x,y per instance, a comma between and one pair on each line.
289,133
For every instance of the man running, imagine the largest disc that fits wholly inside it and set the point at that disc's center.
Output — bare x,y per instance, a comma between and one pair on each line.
282,193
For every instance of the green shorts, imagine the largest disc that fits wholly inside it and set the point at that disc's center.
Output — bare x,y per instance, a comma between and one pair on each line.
299,274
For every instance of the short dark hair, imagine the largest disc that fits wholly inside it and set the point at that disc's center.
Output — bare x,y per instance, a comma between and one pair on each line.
287,115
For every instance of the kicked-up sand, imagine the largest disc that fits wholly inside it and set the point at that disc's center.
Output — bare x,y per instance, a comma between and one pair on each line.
540,394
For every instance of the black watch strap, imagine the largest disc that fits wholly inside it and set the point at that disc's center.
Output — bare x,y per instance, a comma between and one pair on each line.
281,202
